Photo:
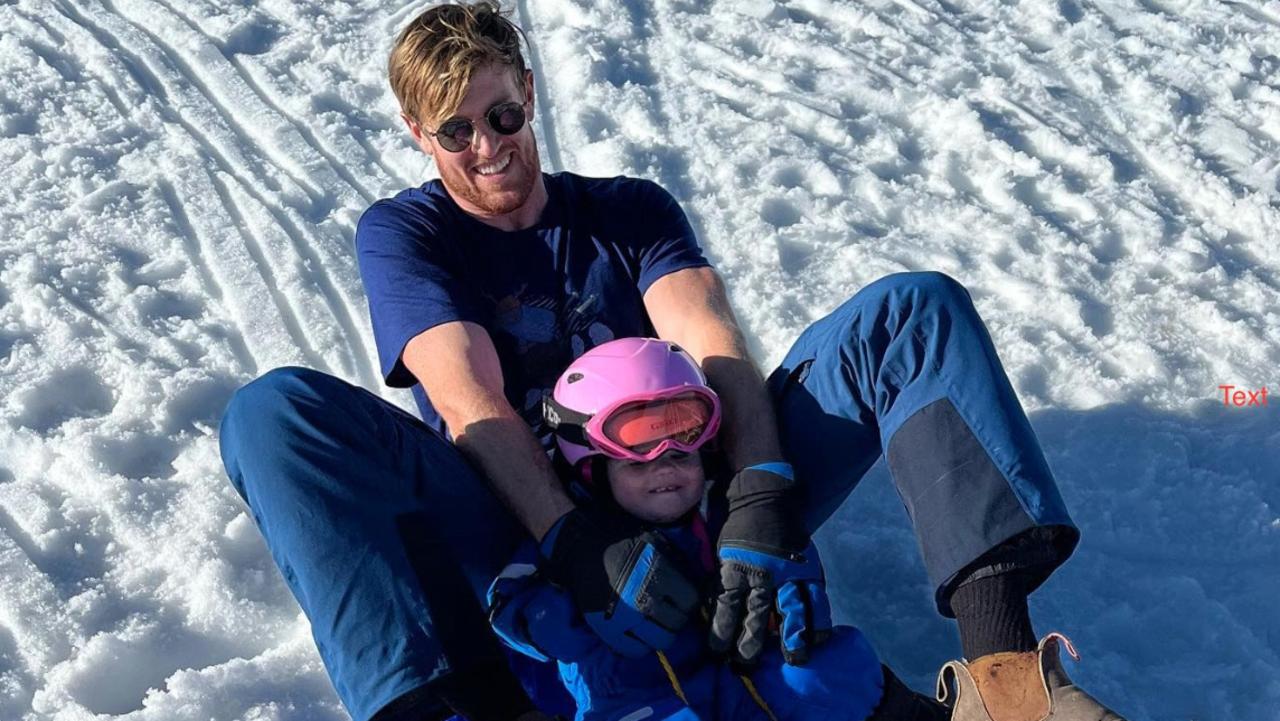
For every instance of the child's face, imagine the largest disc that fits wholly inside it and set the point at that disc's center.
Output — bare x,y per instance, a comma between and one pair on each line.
661,490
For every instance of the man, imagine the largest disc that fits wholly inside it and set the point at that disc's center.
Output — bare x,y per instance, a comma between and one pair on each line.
483,286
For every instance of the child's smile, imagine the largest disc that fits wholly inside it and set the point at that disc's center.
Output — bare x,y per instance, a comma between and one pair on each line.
661,490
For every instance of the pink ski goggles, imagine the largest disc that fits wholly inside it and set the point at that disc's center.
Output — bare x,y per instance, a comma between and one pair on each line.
641,427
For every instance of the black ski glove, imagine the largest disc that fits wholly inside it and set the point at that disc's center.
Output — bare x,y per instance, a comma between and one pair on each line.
767,565
626,582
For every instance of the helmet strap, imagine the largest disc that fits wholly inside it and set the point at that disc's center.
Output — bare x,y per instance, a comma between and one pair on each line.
595,473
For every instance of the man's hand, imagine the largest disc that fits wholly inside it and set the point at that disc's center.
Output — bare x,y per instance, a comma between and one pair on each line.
623,580
767,561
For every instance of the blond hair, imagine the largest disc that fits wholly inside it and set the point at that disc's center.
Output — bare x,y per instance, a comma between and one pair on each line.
433,60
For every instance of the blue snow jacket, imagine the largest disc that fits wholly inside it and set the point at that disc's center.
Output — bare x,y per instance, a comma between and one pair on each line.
842,680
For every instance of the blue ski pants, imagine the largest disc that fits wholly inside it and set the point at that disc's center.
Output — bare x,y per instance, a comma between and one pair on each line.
388,537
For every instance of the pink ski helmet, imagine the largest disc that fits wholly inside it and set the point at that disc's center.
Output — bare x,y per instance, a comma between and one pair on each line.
631,398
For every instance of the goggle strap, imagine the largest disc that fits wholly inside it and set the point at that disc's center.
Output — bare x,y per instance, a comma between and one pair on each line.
565,422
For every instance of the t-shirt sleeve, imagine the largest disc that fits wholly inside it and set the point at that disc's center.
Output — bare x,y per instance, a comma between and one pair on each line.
668,243
410,281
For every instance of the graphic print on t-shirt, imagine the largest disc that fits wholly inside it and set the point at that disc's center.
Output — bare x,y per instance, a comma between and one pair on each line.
546,336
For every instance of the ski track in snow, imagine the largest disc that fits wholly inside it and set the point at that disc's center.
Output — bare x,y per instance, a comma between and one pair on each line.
182,181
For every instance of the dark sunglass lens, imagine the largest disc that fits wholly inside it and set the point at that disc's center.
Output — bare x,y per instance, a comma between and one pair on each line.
455,135
507,118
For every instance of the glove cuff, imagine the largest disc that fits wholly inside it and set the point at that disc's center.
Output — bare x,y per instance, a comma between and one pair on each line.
547,546
771,478
781,468
571,532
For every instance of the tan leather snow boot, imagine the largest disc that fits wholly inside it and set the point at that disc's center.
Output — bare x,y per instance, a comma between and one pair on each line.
1030,686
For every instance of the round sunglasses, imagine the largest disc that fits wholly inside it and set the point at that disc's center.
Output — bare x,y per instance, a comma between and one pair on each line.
455,134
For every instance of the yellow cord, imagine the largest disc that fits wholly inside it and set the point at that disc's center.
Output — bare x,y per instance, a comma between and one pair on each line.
671,676
755,695
751,687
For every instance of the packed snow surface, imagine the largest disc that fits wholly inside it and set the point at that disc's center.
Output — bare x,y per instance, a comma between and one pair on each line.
181,181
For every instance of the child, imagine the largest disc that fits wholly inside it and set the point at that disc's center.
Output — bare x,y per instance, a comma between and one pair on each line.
632,418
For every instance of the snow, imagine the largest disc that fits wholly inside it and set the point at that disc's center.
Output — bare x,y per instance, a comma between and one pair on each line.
180,182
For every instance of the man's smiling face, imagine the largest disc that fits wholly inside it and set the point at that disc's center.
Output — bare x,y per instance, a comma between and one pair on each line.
497,177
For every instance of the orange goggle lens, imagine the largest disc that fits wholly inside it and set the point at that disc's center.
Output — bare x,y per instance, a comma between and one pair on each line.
641,426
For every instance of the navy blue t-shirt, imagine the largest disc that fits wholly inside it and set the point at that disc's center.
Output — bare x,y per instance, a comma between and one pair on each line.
545,294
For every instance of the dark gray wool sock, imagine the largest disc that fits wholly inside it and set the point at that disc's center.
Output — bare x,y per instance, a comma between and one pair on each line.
993,616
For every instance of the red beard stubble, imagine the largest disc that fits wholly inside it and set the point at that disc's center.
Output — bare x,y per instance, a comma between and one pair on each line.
498,201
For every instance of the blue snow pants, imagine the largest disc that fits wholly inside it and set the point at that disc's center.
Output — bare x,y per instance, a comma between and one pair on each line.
389,538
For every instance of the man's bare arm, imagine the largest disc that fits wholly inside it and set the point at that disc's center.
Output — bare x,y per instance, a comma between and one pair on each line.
690,308
762,535
459,370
